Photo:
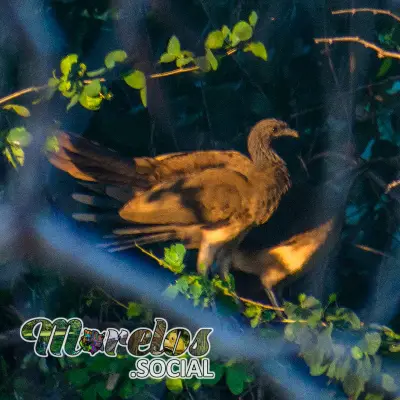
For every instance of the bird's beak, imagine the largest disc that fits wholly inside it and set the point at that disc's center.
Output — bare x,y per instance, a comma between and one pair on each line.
290,132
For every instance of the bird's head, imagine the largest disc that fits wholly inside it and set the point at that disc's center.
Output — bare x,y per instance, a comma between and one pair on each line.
261,135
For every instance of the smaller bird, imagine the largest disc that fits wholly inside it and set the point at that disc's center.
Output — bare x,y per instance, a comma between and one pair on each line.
205,199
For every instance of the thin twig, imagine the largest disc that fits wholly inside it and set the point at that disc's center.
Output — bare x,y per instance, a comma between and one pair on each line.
368,10
112,298
22,92
355,39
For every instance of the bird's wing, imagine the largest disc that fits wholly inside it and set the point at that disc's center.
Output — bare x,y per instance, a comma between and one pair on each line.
212,196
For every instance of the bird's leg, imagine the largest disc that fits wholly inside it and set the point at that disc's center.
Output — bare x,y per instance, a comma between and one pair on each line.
224,257
205,257
274,302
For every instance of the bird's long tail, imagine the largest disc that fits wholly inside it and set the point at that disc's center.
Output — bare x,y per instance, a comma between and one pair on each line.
108,181
90,162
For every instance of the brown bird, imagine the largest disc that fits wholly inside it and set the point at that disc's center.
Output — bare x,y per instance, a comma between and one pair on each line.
206,199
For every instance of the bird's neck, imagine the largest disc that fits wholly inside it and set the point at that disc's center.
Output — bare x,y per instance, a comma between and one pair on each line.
270,163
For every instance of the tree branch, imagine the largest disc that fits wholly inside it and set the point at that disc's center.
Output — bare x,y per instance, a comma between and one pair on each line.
367,10
355,39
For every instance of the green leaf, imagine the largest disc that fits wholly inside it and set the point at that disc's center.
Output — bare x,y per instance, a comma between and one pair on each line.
372,342
174,256
258,49
134,310
126,390
143,96
19,136
78,376
174,47
182,61
215,40
93,88
97,72
235,378
225,32
242,31
253,18
384,68
356,353
171,291
53,82
388,383
51,144
196,289
318,370
114,57
374,396
310,302
203,63
20,110
167,58
90,393
74,100
211,59
218,370
174,385
252,311
136,80
90,103
332,298
302,297
353,385
67,62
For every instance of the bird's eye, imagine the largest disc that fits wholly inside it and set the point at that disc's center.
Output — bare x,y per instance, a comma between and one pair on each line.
275,129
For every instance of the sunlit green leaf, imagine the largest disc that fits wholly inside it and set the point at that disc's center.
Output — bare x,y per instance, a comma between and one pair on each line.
15,155
20,110
225,32
90,103
51,144
74,100
167,58
96,72
136,80
215,40
182,61
67,62
243,31
174,385
211,59
93,88
114,57
134,309
143,96
53,82
174,46
258,49
253,18
19,136
357,353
